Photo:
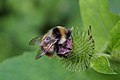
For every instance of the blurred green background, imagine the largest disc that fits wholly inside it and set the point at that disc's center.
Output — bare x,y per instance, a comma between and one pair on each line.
22,20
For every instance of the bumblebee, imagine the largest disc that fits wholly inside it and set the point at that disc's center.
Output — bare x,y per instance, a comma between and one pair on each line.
57,40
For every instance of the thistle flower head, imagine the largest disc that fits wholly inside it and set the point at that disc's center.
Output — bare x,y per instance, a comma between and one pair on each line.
82,51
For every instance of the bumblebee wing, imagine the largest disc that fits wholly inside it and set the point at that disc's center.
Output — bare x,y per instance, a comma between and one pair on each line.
35,41
39,54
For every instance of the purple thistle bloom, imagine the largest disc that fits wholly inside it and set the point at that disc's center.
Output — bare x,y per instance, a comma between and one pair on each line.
66,47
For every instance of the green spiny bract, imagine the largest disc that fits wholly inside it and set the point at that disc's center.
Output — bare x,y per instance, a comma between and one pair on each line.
82,51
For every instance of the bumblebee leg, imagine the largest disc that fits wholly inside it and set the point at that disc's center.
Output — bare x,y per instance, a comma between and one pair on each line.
39,54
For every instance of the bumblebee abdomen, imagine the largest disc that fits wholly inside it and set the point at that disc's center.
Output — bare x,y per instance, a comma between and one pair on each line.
49,54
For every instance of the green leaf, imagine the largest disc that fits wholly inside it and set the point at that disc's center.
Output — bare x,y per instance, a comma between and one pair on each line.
113,47
102,65
25,67
114,42
96,13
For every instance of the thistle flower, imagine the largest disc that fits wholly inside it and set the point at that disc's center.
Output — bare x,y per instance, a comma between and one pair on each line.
82,51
